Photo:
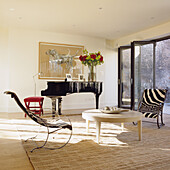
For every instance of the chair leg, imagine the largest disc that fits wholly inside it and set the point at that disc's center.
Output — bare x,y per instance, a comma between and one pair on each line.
51,132
42,111
158,122
162,119
162,124
34,136
31,138
135,123
38,147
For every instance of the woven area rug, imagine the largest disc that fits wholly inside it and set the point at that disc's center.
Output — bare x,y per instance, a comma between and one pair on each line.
118,149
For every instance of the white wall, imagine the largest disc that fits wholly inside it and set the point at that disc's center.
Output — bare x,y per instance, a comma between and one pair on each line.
111,78
22,64
4,68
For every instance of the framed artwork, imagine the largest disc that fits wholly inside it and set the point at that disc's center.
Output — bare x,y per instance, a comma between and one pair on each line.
57,60
81,77
69,77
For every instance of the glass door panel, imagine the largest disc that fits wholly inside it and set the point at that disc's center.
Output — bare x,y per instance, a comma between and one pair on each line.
124,77
143,76
162,66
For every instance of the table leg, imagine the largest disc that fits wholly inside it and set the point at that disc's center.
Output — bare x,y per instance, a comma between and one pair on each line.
122,126
98,125
140,129
87,125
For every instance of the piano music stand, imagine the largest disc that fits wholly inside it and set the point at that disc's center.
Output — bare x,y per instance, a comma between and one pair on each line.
37,108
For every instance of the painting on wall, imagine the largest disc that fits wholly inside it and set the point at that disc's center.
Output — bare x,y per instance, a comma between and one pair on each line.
57,60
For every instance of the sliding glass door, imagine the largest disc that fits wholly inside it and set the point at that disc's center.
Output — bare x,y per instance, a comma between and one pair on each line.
136,72
144,64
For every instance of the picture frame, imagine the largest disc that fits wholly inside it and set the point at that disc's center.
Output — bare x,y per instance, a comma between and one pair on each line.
81,77
68,77
56,60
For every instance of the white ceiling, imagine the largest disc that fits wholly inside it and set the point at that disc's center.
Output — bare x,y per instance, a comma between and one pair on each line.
108,19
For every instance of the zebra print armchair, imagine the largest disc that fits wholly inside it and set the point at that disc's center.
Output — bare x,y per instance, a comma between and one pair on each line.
151,104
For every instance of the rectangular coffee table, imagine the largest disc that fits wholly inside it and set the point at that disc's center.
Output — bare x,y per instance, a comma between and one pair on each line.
123,117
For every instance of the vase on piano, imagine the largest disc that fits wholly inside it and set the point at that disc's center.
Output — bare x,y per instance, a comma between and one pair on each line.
92,73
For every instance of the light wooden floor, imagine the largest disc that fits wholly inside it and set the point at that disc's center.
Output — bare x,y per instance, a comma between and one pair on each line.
12,154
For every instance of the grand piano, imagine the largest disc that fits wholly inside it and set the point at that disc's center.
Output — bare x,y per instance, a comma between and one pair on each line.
55,90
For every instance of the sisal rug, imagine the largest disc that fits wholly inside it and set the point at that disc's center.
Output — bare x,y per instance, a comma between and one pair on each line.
117,150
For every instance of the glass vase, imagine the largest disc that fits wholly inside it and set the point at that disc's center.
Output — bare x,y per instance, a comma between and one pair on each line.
92,73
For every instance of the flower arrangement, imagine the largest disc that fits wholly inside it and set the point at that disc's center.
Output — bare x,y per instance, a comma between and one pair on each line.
91,59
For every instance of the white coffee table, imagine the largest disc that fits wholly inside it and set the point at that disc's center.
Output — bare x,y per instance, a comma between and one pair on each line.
123,117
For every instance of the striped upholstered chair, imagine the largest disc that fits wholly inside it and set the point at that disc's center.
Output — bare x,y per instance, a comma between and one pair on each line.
151,104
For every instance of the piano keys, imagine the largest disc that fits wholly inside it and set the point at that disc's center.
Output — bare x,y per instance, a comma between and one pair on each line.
55,90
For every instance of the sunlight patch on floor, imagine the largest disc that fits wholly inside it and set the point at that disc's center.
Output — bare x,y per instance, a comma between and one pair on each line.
26,128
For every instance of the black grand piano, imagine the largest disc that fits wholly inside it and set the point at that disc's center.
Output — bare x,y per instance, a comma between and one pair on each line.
56,90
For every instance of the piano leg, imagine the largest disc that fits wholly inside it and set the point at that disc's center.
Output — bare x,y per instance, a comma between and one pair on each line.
97,101
53,106
59,105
